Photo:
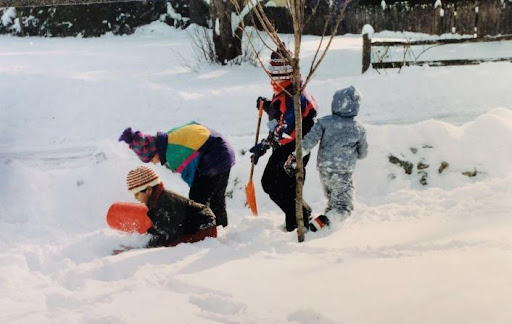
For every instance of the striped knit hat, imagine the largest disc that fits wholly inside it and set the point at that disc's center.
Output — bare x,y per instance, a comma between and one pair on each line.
143,145
141,178
279,67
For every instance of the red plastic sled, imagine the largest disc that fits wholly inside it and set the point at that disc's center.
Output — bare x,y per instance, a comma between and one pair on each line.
128,217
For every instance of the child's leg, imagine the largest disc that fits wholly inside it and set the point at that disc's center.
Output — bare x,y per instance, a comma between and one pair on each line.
281,188
339,191
210,190
218,200
325,180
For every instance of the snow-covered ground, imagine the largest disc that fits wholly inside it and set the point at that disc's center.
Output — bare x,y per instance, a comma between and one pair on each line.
439,253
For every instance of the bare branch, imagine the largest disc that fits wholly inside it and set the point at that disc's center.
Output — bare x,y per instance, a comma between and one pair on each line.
249,37
313,12
326,24
315,65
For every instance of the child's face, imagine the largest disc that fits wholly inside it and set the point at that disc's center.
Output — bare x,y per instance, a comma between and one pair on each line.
155,159
278,86
143,196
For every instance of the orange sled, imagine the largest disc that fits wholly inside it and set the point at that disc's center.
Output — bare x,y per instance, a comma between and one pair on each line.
128,217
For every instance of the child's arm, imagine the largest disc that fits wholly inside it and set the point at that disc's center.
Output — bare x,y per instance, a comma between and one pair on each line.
362,145
312,138
164,229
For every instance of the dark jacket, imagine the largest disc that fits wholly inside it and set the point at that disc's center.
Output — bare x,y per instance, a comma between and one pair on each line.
281,109
174,216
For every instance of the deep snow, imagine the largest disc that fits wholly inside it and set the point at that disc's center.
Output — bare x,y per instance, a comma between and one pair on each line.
410,253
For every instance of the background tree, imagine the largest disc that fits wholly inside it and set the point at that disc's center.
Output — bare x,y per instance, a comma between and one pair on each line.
227,33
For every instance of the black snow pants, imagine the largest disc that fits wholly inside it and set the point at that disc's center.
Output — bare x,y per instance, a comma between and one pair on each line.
211,191
281,187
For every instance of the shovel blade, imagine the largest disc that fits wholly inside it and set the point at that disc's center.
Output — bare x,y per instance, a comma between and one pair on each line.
251,197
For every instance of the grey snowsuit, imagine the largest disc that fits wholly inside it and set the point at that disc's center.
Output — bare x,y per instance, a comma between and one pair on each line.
342,141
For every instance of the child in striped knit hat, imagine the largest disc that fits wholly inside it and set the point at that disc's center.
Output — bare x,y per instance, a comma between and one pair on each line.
175,219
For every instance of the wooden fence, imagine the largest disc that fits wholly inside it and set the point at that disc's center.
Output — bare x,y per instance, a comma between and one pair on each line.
368,45
489,17
484,17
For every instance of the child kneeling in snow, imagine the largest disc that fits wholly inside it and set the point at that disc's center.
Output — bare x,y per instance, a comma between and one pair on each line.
342,141
175,219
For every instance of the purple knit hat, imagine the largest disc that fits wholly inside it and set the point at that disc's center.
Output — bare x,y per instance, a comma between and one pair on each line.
143,145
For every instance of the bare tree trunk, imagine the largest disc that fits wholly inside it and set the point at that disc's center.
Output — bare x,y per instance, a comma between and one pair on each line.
19,14
299,176
227,39
297,9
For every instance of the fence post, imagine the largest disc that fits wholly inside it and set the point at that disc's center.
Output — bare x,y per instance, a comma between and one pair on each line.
477,13
367,50
454,27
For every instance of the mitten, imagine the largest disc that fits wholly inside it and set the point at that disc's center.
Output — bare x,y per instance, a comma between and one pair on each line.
290,165
266,103
259,150
273,140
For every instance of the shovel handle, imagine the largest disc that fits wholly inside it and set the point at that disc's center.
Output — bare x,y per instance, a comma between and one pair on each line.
260,114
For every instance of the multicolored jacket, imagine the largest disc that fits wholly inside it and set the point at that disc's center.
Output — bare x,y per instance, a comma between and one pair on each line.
194,149
281,109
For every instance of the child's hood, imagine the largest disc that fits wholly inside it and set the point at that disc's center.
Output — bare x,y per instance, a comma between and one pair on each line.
346,102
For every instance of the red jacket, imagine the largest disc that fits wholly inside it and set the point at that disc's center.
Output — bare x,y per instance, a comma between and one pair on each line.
281,109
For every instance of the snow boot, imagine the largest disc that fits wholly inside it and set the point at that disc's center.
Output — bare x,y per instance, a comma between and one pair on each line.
319,223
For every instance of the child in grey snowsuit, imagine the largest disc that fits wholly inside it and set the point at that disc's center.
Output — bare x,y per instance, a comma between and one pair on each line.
342,141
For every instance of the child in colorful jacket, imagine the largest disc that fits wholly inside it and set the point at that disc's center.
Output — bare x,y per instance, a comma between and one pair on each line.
342,142
201,155
281,113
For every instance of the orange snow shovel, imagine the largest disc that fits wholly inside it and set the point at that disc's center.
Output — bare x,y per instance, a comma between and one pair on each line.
249,189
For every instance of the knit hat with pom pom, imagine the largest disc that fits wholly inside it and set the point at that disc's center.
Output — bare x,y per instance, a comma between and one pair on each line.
143,145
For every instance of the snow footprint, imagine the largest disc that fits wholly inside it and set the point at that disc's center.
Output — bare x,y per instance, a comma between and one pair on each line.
309,317
218,305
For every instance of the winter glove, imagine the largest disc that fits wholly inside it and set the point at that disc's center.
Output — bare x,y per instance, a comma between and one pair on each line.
273,140
259,150
290,165
266,103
